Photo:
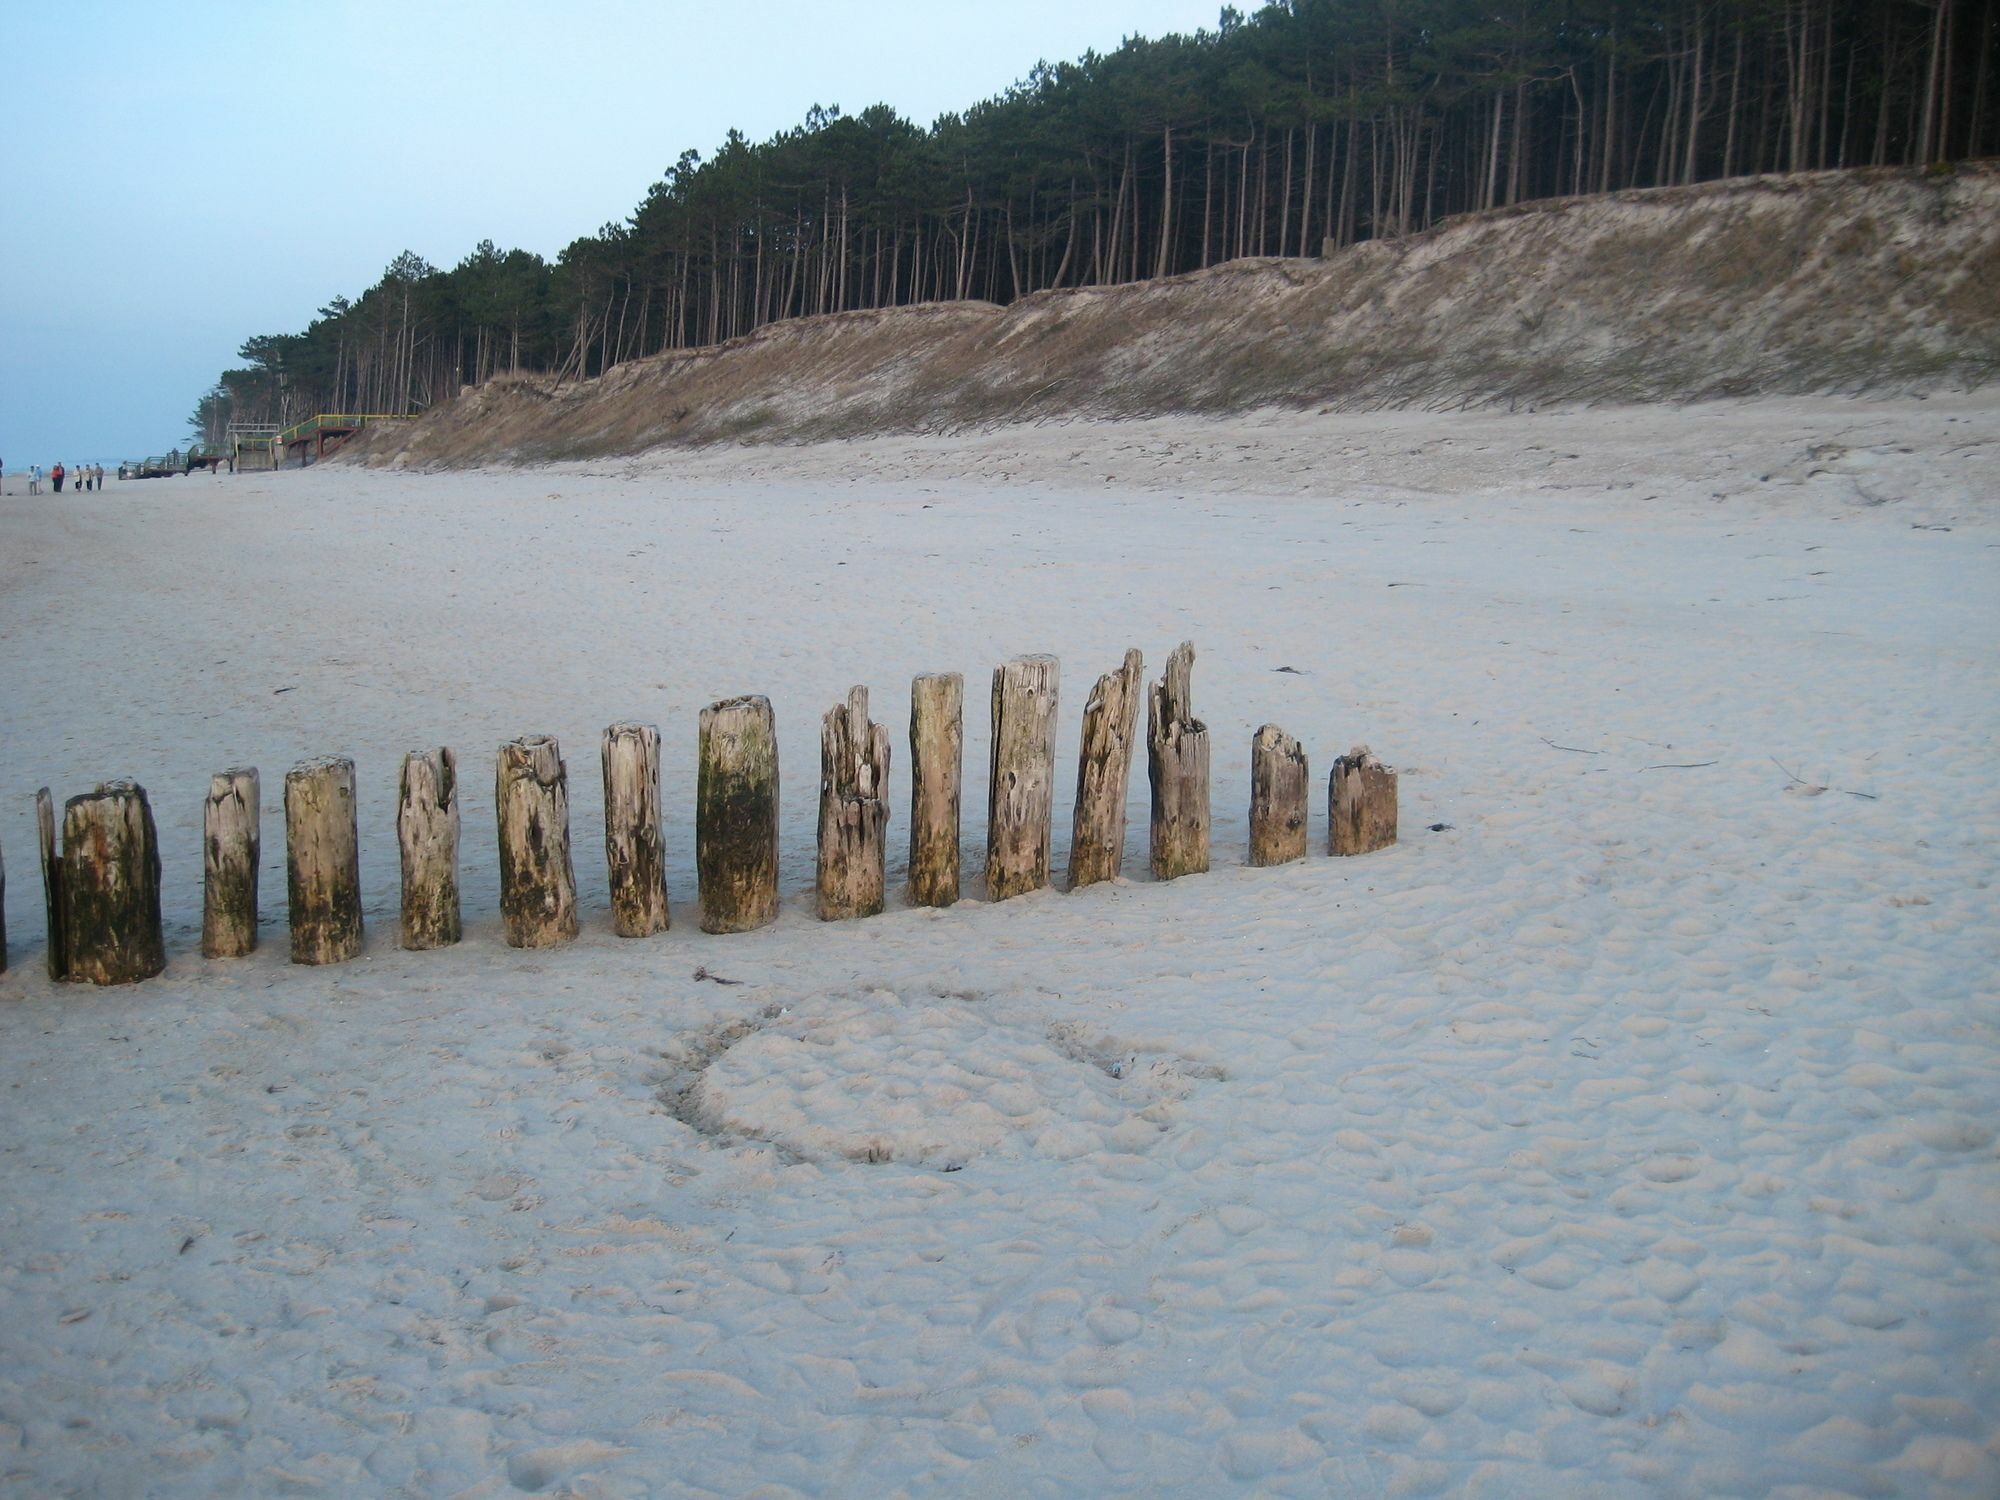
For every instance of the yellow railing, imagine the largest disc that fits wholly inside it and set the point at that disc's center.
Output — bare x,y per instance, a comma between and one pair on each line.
346,421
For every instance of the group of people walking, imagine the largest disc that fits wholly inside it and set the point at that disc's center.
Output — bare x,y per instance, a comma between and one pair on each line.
82,477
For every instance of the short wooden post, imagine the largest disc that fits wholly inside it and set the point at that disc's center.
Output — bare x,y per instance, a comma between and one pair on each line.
937,771
634,850
427,836
1103,772
1278,792
323,860
736,815
52,906
1361,804
853,810
1177,762
537,880
232,843
110,887
1020,791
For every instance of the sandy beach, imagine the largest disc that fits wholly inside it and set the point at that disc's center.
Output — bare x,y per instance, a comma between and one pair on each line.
1628,1129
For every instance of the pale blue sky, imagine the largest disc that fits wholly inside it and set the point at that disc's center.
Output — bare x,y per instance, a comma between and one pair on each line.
175,177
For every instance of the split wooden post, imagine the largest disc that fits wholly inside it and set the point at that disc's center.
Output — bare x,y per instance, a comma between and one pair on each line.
1177,762
1278,794
323,860
1020,791
537,879
1360,804
1103,773
736,815
853,810
52,906
427,836
108,887
232,843
634,850
937,771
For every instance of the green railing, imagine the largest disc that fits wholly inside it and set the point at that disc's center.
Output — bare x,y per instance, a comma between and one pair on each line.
328,421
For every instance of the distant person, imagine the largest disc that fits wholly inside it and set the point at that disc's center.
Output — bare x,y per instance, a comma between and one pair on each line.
56,477
34,479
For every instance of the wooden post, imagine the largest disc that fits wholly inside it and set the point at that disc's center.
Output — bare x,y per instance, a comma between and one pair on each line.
232,843
1360,804
537,881
634,850
427,835
1020,793
1177,761
1278,782
52,906
1103,772
736,815
3,914
853,810
323,861
110,887
937,770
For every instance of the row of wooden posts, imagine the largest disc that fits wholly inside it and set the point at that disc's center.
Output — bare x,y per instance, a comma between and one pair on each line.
102,883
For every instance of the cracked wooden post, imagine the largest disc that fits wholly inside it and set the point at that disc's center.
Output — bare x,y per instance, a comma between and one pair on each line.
1360,804
52,907
937,771
1177,763
634,850
1021,790
231,825
1278,794
853,810
1103,773
323,861
109,887
736,815
427,836
531,806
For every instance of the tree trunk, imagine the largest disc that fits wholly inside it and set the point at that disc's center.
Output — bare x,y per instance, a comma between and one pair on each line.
52,906
1177,761
1103,772
230,849
107,887
853,810
1020,793
1361,804
323,861
537,880
634,851
427,833
736,815
937,770
1278,782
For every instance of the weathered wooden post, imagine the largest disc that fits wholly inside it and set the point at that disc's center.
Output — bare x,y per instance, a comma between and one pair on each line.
1103,772
427,835
3,914
1020,792
323,860
232,843
1278,792
853,810
104,886
634,850
52,906
736,815
537,880
1360,804
937,770
1177,762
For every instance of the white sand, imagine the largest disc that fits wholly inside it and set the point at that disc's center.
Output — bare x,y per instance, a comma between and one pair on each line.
1634,1134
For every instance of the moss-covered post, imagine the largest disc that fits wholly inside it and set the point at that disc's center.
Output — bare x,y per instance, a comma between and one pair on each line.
323,860
427,836
1177,762
937,774
1278,792
1020,793
1361,804
537,880
634,851
110,887
231,825
1103,773
853,810
736,815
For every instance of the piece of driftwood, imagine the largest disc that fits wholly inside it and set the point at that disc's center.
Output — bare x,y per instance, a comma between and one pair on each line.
1360,804
1103,773
427,837
634,849
109,887
232,843
531,807
937,772
1278,797
736,815
1177,763
52,906
323,861
853,810
1020,792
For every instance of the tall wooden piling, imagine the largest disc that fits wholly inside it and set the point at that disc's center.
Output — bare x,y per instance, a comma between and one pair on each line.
736,815
1177,763
1278,796
1020,790
232,844
531,807
937,771
853,810
1103,773
427,838
323,861
1361,804
108,886
634,849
